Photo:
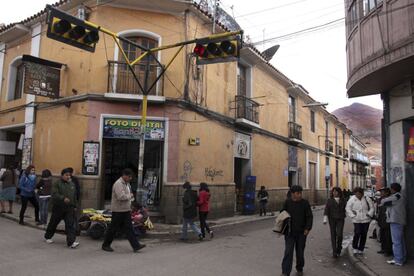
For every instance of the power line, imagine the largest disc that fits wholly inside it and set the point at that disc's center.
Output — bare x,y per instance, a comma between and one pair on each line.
269,9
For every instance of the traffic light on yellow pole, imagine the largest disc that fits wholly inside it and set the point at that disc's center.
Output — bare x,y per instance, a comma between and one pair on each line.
71,30
217,50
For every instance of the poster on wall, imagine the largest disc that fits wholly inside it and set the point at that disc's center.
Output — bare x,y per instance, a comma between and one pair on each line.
125,128
90,160
26,152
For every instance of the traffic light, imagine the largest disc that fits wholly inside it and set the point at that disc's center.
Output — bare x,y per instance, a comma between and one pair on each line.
225,49
71,30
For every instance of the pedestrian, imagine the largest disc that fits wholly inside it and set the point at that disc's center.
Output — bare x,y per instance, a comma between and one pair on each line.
262,195
64,205
190,211
8,192
44,192
360,209
385,230
203,209
77,213
27,185
335,215
396,217
301,219
121,213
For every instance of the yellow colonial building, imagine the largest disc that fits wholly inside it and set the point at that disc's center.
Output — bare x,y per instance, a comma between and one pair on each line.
217,123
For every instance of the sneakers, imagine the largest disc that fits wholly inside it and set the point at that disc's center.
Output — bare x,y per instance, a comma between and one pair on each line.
49,241
355,251
139,248
211,234
200,237
107,248
74,245
393,262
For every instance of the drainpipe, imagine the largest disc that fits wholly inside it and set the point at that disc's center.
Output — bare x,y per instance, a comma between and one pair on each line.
386,143
186,58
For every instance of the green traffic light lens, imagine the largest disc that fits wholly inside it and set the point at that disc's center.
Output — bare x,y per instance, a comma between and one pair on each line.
77,32
228,47
61,26
91,37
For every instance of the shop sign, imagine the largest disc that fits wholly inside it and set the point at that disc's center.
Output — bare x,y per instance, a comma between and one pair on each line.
90,160
41,77
124,128
242,146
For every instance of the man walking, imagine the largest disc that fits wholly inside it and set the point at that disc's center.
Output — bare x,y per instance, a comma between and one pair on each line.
64,204
396,217
301,219
190,211
121,213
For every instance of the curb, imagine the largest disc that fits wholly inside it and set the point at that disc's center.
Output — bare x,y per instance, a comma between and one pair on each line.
359,265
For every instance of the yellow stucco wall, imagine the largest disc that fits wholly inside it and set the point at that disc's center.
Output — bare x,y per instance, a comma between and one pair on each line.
58,137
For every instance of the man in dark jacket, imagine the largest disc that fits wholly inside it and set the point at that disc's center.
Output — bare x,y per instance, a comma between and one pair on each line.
64,204
385,231
301,223
190,211
77,212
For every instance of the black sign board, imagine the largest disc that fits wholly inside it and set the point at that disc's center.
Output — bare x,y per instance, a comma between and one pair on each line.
41,77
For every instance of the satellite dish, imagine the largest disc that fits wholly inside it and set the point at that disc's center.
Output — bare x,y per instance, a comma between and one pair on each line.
269,53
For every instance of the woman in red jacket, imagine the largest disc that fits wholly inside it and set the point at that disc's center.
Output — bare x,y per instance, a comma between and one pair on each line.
203,208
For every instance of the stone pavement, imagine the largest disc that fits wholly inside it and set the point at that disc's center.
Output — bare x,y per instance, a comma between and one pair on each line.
374,264
160,229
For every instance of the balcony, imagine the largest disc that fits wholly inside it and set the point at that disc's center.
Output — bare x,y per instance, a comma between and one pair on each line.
295,131
122,81
346,153
247,111
329,146
338,150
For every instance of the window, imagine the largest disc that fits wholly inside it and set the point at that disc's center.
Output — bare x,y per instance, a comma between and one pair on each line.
369,5
292,109
353,15
125,82
312,120
343,140
327,130
336,137
337,172
241,80
15,80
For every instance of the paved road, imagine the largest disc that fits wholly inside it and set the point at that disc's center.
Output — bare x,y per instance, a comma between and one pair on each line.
245,250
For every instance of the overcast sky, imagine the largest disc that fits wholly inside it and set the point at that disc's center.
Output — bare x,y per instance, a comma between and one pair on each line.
316,59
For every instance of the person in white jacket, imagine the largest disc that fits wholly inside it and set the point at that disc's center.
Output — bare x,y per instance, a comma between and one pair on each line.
361,210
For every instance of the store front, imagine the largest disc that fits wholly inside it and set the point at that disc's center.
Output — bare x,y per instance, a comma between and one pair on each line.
120,141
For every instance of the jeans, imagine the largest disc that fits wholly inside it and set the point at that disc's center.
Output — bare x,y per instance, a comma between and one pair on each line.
398,243
121,221
59,213
337,229
43,209
262,206
360,236
192,225
33,201
295,241
203,223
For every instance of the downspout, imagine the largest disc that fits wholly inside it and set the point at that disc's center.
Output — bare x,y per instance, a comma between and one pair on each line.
386,143
186,58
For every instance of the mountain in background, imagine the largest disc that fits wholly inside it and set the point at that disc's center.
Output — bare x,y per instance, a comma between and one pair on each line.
365,123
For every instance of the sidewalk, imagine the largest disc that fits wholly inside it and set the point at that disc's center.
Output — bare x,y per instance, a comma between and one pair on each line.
374,264
160,229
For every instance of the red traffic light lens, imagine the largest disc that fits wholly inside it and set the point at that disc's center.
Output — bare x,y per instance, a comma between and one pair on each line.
61,26
213,49
200,50
228,47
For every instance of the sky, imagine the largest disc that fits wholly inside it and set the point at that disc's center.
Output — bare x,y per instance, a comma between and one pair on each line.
314,59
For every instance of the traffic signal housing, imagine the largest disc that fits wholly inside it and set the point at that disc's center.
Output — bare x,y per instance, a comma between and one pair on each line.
218,50
71,30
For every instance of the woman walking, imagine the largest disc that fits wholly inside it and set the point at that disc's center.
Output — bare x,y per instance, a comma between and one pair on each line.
360,209
8,193
27,185
335,215
44,191
203,208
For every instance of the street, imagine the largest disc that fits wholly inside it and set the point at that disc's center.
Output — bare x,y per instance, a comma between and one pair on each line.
243,250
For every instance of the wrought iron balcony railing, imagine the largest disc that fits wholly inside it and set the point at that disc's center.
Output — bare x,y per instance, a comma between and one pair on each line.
329,146
295,130
121,79
247,109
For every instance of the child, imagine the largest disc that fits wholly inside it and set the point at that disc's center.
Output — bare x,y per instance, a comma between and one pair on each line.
262,196
139,215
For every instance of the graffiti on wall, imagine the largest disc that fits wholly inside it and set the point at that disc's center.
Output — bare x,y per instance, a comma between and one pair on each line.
212,173
187,169
396,174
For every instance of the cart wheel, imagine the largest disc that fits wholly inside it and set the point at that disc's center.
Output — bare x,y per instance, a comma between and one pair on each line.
84,222
97,230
